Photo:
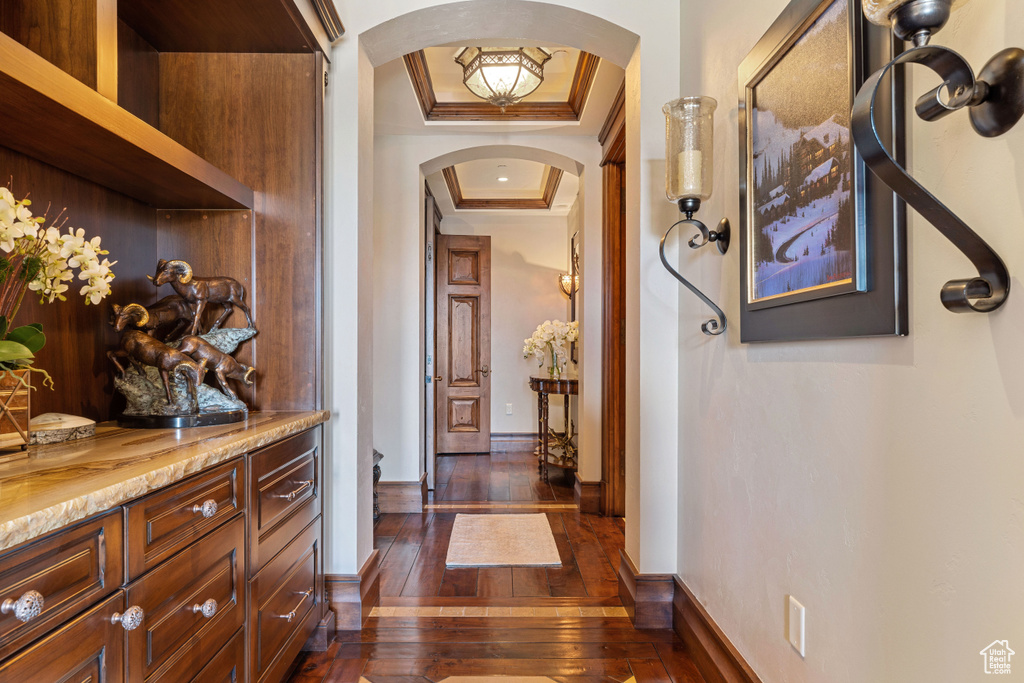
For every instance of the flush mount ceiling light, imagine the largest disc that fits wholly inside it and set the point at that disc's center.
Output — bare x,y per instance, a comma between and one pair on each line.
502,75
995,102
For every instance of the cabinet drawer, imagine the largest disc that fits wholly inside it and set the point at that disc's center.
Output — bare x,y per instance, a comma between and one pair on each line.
228,666
175,638
284,605
165,522
90,648
284,494
72,569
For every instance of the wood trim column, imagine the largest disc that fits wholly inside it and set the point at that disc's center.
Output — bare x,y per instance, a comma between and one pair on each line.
613,345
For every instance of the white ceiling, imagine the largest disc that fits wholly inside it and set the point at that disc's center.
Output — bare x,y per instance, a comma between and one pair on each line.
446,75
568,188
397,112
479,179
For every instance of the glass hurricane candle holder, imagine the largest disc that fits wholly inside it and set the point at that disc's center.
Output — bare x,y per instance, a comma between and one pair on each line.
689,148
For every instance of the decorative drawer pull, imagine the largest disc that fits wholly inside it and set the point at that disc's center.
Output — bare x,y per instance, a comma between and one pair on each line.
207,609
294,494
208,508
130,620
291,615
26,608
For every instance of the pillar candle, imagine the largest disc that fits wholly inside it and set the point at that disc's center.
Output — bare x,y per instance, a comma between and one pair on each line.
688,179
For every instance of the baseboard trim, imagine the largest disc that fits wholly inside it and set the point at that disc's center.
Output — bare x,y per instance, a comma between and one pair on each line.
352,596
514,442
646,597
402,496
714,654
323,635
587,495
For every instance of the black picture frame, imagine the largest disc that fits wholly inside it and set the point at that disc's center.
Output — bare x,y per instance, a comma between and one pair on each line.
878,306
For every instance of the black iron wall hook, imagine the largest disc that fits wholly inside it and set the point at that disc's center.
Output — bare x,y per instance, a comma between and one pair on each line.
714,326
989,291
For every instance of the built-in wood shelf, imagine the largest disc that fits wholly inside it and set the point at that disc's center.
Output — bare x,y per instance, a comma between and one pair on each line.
55,118
261,26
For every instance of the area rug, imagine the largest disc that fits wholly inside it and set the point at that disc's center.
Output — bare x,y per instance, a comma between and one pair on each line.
501,541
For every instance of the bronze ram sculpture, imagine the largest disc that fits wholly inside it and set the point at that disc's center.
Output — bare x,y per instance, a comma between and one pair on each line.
169,310
223,366
199,292
141,349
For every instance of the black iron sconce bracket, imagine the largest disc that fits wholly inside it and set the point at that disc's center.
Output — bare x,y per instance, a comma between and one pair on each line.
714,326
996,101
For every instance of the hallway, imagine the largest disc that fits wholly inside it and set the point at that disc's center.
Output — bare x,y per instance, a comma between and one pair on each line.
566,623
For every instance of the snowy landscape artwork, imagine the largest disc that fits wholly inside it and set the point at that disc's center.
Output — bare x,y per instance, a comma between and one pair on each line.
805,241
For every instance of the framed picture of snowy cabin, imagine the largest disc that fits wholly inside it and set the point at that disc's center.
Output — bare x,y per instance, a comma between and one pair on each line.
822,241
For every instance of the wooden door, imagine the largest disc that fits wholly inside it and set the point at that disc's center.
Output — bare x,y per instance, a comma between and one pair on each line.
432,230
463,392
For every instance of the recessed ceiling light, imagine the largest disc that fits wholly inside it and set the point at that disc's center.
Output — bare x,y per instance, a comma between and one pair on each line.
502,179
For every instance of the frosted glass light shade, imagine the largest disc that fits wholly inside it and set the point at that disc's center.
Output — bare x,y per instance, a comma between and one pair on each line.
502,75
880,11
689,147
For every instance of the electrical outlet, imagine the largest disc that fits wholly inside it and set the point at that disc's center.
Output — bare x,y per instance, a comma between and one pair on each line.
795,624
508,408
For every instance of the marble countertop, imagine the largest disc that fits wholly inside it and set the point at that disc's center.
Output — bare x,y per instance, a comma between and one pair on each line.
63,483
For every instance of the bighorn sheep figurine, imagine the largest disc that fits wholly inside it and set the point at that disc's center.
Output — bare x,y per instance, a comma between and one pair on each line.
223,366
141,349
170,309
201,291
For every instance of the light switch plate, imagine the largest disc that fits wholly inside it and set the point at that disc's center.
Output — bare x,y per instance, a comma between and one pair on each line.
508,408
795,624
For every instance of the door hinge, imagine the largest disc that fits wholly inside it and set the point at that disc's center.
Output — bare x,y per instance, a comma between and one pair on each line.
326,79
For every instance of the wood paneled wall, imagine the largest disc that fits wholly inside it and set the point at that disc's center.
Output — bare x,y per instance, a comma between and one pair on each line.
78,336
258,118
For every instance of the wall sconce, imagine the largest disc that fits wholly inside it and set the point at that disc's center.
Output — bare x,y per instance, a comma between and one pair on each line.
995,101
569,284
689,167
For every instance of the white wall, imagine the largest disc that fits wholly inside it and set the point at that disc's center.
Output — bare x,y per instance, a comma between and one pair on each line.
879,481
527,255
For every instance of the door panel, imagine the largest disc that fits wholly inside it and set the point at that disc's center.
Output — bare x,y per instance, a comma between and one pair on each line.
463,398
432,230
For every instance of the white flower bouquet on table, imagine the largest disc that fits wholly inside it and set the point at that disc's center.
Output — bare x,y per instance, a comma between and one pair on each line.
42,260
551,341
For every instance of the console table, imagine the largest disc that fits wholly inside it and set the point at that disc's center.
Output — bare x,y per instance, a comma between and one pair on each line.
544,388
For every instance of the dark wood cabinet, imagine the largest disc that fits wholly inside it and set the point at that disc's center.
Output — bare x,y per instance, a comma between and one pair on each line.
284,491
177,636
89,648
285,605
161,524
190,606
70,570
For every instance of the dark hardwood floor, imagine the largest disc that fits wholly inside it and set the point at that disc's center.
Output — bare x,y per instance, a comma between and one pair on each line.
565,623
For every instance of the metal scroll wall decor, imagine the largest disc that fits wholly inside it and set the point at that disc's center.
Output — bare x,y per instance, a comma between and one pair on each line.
689,164
995,101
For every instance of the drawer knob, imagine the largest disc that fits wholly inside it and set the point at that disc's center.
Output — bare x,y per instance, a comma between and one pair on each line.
291,615
207,609
292,495
130,620
27,607
208,508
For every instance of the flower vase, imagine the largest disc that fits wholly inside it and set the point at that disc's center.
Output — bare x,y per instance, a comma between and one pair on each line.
555,371
15,413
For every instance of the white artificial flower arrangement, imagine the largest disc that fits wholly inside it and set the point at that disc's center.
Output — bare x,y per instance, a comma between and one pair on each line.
41,260
551,340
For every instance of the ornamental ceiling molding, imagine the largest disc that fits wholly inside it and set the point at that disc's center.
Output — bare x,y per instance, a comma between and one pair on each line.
570,110
552,175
